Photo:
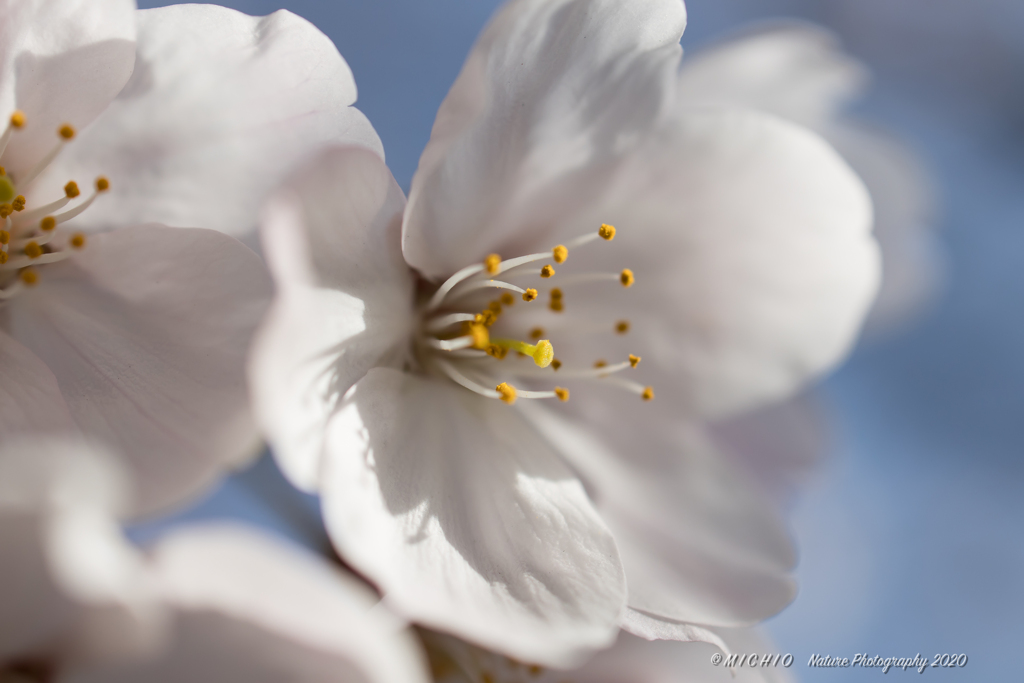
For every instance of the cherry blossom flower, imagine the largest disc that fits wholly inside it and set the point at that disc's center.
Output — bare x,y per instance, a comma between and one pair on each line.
500,387
224,603
115,120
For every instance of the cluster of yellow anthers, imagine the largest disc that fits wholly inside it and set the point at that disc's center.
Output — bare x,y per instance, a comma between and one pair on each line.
27,238
455,355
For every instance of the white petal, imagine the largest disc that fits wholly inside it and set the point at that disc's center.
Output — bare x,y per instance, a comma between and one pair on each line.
650,627
465,518
221,107
794,70
252,609
551,97
61,61
750,240
905,207
70,584
146,331
344,304
699,542
30,399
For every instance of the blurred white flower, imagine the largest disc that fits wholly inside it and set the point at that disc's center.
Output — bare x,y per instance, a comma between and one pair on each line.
220,603
386,371
629,660
800,72
137,337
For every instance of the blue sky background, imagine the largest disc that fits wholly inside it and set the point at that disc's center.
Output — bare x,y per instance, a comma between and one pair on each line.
912,535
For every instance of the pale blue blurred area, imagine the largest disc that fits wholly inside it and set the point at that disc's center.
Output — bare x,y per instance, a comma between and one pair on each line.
912,537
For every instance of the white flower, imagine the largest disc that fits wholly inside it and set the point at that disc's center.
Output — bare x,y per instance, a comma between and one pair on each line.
748,240
220,603
128,331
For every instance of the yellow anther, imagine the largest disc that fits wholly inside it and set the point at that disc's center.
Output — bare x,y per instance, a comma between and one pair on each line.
626,277
544,354
77,240
67,131
600,363
481,338
537,333
6,210
487,317
547,271
102,184
28,276
496,351
556,293
18,119
556,305
562,394
555,364
507,299
535,670
19,203
648,394
5,237
622,327
634,361
3,257
48,224
560,253
530,294
507,391
493,264
71,190
3,171
495,306
607,231
33,250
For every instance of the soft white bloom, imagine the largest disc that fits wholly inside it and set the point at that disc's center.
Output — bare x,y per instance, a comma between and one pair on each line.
745,245
219,603
128,331
630,660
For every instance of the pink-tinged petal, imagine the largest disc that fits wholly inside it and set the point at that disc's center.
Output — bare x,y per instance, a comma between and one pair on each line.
344,304
699,542
465,518
751,243
220,109
71,587
794,70
146,331
550,99
61,61
253,609
30,400
905,208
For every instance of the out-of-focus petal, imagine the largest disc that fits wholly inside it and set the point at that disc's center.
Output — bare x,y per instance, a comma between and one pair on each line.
549,100
252,609
220,109
344,304
71,587
61,61
146,331
463,515
30,400
794,70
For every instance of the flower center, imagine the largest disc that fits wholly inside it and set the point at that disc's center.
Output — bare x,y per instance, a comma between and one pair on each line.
455,338
30,236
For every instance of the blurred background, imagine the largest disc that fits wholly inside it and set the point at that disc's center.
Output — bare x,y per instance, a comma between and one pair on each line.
912,529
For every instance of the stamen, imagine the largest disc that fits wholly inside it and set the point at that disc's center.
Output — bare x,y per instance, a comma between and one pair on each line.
16,121
451,344
464,381
562,394
582,278
622,327
496,351
455,279
33,250
634,360
493,264
77,211
495,306
5,237
438,324
600,363
77,241
555,364
483,284
507,299
487,317
560,253
626,277
48,224
537,333
529,295
507,392
45,210
29,277
646,393
605,232
547,271
19,203
66,133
